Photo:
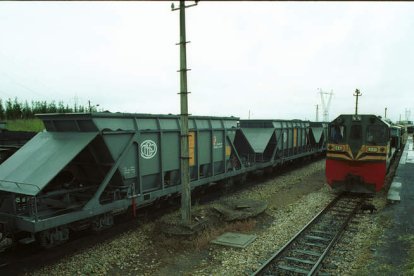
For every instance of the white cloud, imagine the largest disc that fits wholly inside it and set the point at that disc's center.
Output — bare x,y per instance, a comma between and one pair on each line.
269,57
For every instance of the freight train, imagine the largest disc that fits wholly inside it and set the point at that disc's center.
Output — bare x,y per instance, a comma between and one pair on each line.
87,168
359,152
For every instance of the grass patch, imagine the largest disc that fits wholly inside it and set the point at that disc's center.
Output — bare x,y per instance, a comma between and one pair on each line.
25,125
409,266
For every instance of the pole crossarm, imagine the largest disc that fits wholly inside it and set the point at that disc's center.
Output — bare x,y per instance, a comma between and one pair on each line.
179,43
189,6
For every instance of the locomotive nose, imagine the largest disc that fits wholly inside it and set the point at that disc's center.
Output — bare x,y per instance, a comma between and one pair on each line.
355,149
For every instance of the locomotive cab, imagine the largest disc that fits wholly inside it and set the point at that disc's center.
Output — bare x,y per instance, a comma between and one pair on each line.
358,153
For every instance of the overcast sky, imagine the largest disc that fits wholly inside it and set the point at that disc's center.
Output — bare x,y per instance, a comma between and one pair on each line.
266,57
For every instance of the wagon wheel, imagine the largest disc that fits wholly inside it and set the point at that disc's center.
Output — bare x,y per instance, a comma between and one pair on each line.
102,223
51,238
46,239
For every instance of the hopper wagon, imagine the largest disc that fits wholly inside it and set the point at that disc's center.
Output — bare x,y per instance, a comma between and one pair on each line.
86,168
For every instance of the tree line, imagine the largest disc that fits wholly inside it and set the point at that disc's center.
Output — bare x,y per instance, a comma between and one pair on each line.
15,109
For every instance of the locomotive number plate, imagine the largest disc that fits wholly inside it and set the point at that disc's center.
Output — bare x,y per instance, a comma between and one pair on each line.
372,149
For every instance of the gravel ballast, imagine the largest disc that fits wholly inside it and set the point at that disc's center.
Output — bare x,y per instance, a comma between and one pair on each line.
293,199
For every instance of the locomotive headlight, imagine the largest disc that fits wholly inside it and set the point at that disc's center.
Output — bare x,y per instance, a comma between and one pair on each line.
338,148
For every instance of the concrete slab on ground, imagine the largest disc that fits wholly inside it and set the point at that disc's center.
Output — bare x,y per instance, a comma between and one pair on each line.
234,239
394,191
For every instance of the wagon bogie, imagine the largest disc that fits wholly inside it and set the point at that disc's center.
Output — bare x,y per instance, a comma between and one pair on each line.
53,237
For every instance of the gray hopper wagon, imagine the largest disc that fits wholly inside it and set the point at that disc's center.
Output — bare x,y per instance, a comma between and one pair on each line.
87,168
274,142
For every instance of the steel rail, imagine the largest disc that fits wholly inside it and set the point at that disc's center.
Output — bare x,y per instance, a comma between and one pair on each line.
314,220
336,237
286,246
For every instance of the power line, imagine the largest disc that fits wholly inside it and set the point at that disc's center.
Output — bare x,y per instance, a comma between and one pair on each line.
21,85
326,103
17,64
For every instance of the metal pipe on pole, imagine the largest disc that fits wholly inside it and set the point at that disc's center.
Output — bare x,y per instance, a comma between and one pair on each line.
357,94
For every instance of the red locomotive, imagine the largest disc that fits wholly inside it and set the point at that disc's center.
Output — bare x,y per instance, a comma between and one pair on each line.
358,153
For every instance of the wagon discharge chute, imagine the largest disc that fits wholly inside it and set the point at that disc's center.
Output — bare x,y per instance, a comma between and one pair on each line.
32,168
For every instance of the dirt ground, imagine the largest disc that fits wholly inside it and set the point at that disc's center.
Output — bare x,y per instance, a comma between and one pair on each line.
289,194
184,259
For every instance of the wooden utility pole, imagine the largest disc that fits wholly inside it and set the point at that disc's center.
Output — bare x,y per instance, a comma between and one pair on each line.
357,94
317,113
185,167
90,107
385,115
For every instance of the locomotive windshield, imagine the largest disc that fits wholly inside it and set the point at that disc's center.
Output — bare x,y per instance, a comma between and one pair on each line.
356,132
337,134
377,134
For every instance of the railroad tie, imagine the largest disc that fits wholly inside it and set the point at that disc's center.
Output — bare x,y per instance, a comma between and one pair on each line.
300,260
321,232
293,269
308,252
320,245
316,238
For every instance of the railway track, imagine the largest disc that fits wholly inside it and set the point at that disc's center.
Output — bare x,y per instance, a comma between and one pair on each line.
305,253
